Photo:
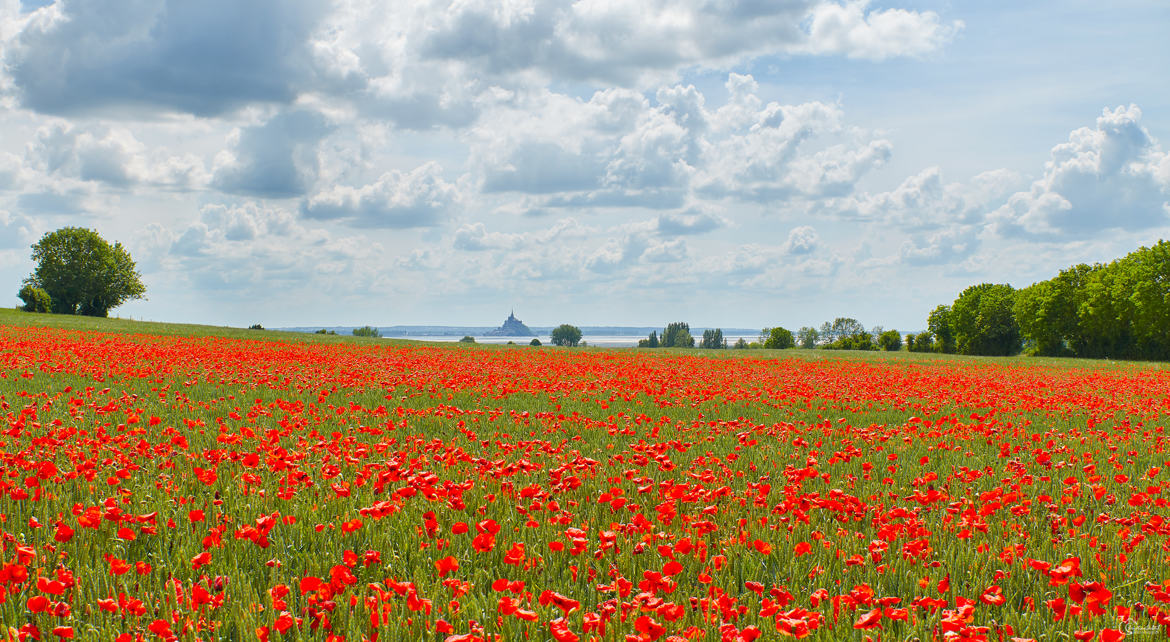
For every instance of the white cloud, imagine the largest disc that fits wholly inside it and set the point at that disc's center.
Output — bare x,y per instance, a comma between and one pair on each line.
658,154
802,240
1113,176
251,250
848,29
112,156
418,198
925,201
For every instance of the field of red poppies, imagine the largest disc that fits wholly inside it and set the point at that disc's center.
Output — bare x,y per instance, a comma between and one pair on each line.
209,488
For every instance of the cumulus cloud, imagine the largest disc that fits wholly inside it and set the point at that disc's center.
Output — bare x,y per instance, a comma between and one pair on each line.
619,149
621,42
251,250
112,156
762,155
802,240
1112,176
418,198
204,58
849,29
225,224
925,201
275,159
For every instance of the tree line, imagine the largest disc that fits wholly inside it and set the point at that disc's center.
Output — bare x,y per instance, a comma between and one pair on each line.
843,333
1118,310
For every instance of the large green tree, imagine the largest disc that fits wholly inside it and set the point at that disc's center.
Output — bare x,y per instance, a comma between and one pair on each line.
83,274
983,321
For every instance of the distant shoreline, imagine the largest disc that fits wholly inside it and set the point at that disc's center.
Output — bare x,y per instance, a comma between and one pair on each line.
404,331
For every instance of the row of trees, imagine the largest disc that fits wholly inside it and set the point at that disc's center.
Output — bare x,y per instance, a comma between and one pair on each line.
843,333
1115,310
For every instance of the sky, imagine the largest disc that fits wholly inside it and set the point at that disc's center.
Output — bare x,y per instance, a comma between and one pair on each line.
729,163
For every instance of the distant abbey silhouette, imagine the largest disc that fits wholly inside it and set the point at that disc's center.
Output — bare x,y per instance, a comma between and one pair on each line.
512,327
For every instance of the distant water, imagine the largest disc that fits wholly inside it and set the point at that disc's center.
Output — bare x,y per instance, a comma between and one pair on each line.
601,341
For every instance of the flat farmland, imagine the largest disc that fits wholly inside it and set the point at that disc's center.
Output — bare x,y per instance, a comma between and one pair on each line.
158,485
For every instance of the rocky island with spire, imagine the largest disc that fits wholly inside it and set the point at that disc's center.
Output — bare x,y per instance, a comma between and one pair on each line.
512,327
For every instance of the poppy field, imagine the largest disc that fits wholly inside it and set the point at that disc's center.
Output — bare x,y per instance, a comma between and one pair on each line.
205,488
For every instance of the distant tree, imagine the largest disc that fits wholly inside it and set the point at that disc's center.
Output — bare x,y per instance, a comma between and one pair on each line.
35,299
467,338
740,344
826,332
923,342
82,273
677,335
652,341
255,326
324,331
845,333
983,321
858,341
939,324
890,340
807,337
713,339
779,339
846,327
583,344
910,342
535,342
366,331
566,335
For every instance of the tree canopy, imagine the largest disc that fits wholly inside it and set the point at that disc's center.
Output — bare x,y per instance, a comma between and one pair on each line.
777,338
566,335
82,273
982,320
677,335
1120,309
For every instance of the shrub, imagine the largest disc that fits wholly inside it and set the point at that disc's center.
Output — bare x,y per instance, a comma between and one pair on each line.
366,331
255,326
467,338
741,344
324,331
535,342
35,299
